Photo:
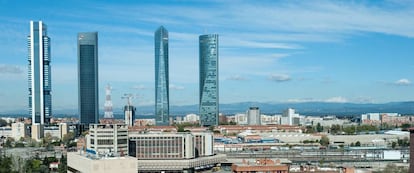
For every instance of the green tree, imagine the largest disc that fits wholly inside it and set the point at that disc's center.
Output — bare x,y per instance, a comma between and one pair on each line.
393,144
319,128
310,129
357,144
68,137
324,140
3,122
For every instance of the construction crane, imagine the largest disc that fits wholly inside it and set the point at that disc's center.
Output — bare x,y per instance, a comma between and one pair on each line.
129,97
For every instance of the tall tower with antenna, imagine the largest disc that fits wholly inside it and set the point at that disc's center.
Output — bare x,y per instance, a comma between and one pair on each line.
108,103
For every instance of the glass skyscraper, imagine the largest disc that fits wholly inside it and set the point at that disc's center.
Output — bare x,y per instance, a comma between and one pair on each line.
209,90
40,86
88,77
161,77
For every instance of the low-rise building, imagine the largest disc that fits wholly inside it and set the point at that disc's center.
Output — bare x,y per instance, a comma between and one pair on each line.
83,162
108,139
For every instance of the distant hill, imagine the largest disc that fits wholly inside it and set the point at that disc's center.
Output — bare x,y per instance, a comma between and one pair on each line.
305,108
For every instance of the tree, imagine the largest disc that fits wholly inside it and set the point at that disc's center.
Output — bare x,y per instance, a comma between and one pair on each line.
319,128
3,122
357,144
68,137
310,129
393,144
324,140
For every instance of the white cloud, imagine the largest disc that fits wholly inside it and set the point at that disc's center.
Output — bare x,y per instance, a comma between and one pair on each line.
176,87
402,82
236,78
280,77
10,69
337,99
140,87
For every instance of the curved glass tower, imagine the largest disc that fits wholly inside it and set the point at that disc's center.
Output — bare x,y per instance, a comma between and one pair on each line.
161,77
39,74
209,90
88,77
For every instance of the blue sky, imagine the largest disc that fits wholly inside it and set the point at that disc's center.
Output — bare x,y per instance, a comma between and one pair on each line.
270,51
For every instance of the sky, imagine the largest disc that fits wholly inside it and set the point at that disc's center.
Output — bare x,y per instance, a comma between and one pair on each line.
269,51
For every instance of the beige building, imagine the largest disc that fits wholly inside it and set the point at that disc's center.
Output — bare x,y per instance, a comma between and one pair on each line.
19,130
79,162
63,130
37,132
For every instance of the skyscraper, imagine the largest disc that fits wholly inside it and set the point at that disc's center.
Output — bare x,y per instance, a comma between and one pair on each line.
88,77
39,73
209,88
161,77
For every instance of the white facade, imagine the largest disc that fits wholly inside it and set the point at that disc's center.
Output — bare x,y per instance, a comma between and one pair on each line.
108,139
241,119
271,119
192,118
82,163
253,116
19,130
289,117
163,145
204,143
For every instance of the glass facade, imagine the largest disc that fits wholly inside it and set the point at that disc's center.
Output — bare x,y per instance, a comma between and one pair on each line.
88,77
209,98
39,74
161,77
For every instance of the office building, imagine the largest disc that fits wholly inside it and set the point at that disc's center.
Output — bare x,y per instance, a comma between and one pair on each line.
178,152
39,73
109,139
209,83
19,130
289,117
253,116
411,149
163,146
203,143
88,78
88,162
161,77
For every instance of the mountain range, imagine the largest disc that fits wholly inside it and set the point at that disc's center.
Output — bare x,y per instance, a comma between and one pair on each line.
304,108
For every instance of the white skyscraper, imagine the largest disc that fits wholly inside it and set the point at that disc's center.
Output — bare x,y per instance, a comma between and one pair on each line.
39,74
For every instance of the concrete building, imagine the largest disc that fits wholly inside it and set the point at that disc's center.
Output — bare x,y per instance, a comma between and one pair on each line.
289,117
39,73
37,131
253,116
83,162
63,130
108,139
162,146
178,152
241,119
203,142
193,118
19,130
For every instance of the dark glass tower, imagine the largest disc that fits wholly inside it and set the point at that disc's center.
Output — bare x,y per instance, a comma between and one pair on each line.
39,74
88,77
161,77
209,90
